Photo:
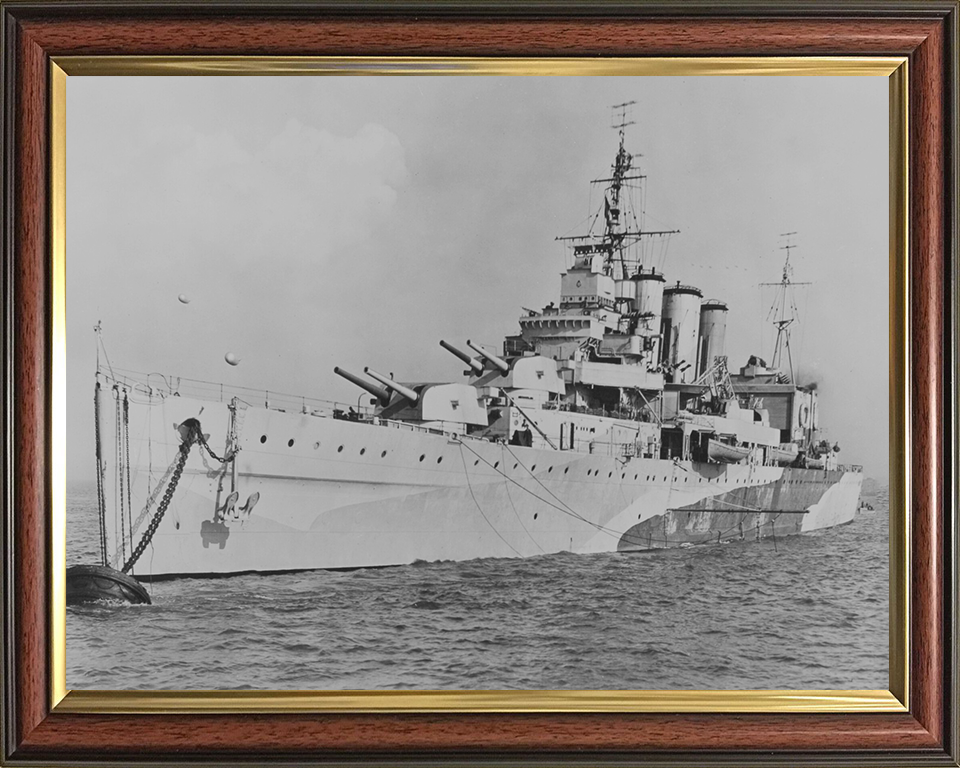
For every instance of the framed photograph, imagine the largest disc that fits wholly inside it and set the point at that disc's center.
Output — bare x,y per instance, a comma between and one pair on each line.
454,384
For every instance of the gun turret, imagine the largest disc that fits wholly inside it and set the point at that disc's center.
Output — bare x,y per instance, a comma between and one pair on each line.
475,366
496,362
378,392
401,390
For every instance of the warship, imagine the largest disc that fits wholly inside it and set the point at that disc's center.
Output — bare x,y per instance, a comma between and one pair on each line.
610,423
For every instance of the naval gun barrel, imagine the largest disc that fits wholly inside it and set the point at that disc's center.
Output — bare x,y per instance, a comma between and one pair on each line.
378,392
498,363
401,390
475,366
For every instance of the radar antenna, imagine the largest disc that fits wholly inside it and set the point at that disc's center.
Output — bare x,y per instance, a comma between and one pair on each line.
617,234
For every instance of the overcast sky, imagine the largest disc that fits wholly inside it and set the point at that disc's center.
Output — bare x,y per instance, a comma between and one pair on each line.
352,221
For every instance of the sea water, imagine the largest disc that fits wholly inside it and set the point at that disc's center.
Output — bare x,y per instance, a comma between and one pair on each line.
800,612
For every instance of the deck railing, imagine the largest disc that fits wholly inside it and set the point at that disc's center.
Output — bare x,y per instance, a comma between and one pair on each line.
159,385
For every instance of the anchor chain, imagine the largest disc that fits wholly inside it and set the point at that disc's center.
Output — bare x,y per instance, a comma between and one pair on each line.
206,446
162,508
194,434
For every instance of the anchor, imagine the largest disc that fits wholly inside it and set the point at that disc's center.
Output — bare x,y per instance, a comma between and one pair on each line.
252,500
228,505
216,531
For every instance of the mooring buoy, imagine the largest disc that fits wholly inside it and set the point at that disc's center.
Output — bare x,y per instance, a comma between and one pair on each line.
90,583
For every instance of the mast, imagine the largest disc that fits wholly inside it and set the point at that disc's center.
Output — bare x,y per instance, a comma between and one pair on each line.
617,235
784,317
622,165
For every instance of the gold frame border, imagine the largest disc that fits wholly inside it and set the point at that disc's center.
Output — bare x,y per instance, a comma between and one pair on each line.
778,701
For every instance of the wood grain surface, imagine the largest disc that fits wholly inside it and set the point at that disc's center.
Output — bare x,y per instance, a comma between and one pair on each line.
927,307
32,33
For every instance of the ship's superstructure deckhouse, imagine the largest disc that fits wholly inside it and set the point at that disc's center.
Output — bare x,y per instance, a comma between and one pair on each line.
625,364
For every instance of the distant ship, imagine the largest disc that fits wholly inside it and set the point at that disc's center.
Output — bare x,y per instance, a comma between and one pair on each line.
609,423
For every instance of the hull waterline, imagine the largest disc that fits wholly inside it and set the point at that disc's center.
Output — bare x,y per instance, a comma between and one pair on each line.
338,494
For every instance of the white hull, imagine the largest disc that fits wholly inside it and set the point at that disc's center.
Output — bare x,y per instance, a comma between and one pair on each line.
348,495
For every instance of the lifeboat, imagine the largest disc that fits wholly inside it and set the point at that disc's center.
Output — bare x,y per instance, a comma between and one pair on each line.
781,456
726,454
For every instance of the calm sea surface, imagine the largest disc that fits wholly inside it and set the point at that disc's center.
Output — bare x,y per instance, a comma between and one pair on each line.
811,612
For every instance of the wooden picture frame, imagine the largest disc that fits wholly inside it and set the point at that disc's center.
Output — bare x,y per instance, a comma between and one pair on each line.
37,729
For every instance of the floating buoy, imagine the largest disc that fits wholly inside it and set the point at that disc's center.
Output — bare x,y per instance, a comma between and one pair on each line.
93,583
183,298
231,358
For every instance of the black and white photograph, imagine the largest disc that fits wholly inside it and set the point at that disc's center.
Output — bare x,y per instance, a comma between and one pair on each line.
478,383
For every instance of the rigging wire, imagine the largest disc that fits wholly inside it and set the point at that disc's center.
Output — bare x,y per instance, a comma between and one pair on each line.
599,527
614,533
540,483
506,488
126,450
479,509
101,495
118,480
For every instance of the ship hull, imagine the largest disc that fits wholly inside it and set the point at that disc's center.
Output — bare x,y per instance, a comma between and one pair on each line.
335,494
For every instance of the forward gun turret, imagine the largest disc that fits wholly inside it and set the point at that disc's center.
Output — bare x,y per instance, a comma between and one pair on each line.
474,364
498,363
378,392
401,390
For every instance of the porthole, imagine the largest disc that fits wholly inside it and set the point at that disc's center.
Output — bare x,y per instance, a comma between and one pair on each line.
635,477
316,446
496,464
382,454
340,449
514,466
566,469
549,469
290,443
363,451
533,468
423,456
263,438
439,459
609,474
535,515
476,461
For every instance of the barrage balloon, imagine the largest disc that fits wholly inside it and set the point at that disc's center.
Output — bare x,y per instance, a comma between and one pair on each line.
183,298
231,358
